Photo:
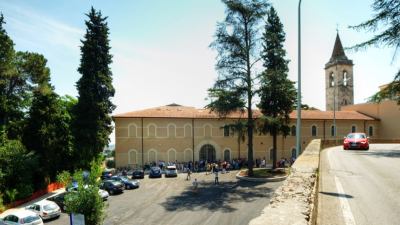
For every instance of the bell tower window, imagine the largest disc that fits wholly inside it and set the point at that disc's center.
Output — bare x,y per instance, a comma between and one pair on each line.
332,80
345,78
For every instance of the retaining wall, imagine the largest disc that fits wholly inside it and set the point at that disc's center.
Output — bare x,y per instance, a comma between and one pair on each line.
293,202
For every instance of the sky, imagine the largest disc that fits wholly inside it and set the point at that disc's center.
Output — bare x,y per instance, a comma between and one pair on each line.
161,51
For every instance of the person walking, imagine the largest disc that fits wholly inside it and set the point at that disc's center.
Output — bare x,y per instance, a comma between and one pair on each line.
216,177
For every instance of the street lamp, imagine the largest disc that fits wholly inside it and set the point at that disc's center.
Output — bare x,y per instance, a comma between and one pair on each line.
298,127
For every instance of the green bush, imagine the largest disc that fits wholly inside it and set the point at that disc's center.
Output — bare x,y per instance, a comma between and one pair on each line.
86,200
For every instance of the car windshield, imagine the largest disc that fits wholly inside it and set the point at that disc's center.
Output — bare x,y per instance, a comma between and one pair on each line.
116,183
124,179
30,219
50,206
356,136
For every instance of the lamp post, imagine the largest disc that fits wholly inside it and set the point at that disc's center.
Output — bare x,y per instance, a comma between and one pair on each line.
298,127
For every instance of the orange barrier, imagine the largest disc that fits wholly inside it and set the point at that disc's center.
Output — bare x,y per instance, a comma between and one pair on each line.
50,188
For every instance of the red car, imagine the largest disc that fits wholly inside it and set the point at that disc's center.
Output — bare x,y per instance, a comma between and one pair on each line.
356,141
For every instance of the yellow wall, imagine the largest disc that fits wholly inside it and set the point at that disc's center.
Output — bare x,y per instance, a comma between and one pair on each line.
388,112
171,139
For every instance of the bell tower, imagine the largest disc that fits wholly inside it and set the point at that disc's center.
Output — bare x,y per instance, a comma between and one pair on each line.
339,90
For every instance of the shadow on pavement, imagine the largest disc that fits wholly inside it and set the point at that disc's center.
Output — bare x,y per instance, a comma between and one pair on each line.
336,194
217,197
381,153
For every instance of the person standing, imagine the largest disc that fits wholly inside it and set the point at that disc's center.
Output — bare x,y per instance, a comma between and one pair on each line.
216,176
188,174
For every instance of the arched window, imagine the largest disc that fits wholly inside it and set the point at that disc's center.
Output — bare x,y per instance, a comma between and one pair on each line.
370,131
132,157
132,130
171,130
332,80
314,131
293,130
333,130
227,155
171,155
353,129
152,130
345,78
152,156
188,130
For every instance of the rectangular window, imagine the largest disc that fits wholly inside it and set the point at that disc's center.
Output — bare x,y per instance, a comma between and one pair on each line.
353,129
370,131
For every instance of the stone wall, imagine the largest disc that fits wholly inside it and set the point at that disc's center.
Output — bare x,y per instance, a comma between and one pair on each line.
293,202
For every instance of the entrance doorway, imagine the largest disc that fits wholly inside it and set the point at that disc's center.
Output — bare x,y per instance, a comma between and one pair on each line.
207,152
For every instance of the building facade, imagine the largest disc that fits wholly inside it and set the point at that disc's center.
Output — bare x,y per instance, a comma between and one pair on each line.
179,133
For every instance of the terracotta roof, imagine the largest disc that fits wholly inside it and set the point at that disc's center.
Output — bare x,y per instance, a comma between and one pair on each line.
178,111
328,115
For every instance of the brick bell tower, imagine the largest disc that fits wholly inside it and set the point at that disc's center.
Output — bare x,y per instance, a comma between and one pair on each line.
339,90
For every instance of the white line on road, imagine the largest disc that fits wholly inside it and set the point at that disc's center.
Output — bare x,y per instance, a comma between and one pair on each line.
347,214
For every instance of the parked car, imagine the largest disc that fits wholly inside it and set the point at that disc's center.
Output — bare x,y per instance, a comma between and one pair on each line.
22,216
171,171
356,141
129,184
59,200
45,209
103,194
138,174
155,171
112,186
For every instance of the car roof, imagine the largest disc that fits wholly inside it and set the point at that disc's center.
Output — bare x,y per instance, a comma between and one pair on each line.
44,202
171,167
20,213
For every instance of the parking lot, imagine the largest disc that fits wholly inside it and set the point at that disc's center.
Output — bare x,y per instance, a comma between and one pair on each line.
171,201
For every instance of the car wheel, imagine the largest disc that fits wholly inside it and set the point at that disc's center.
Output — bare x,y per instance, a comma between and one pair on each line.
127,187
111,192
367,149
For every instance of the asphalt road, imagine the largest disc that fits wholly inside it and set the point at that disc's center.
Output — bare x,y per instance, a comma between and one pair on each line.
360,187
171,201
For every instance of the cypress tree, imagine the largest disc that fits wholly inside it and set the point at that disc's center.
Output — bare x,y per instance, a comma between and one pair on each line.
92,124
277,92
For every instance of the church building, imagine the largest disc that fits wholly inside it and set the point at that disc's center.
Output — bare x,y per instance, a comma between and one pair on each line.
182,133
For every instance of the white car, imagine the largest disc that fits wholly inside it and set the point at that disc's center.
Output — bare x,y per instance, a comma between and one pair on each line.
45,209
22,216
171,171
104,194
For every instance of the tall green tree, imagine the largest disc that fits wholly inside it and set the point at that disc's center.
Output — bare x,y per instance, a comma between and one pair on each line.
47,132
92,122
385,25
236,41
277,92
9,81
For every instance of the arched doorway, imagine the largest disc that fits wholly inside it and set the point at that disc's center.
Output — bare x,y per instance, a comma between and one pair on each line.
207,152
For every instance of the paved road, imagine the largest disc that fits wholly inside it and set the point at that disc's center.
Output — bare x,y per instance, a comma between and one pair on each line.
170,201
360,187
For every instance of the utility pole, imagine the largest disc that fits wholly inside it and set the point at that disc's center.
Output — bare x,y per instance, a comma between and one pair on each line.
298,127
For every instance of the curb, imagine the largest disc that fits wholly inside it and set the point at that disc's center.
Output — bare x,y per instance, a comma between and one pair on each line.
252,179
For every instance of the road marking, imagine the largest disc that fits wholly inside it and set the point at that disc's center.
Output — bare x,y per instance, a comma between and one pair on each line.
347,214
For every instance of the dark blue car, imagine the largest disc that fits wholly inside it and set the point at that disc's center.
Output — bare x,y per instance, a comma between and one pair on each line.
129,184
155,171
